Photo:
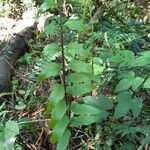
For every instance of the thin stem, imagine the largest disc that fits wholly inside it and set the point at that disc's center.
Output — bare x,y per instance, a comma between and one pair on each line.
63,57
62,47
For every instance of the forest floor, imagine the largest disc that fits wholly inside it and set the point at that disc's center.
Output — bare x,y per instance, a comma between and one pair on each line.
35,134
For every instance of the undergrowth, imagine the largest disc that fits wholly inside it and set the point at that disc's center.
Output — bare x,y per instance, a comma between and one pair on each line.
85,82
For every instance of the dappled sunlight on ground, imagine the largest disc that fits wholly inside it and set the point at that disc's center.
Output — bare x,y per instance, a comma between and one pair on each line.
9,26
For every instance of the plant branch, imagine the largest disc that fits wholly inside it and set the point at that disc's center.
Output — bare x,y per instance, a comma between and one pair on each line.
62,46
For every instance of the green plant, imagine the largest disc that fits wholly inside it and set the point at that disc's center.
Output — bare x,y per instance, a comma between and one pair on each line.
96,68
90,61
8,130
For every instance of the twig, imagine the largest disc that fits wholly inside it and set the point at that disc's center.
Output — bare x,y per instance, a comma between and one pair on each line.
32,121
5,94
39,139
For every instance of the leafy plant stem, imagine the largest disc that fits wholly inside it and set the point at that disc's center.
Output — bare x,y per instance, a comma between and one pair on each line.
62,47
63,56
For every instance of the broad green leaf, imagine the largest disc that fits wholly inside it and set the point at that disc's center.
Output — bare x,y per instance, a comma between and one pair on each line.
142,60
59,110
56,95
59,129
124,84
76,48
136,106
98,69
77,25
80,89
136,83
128,58
124,103
27,58
64,140
20,106
145,53
9,144
11,129
50,69
80,66
121,109
51,29
147,84
123,58
128,82
84,109
98,65
90,100
126,74
87,119
104,103
117,58
146,140
123,96
51,49
80,78
47,5
101,103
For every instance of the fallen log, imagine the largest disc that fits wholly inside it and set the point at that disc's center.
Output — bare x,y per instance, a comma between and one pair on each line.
15,48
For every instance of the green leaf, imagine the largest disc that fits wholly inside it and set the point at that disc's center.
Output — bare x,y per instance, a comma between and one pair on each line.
27,58
146,140
48,70
128,82
147,84
126,74
51,29
20,106
142,60
59,129
77,25
64,140
136,106
104,102
145,54
56,95
11,129
76,48
80,89
48,4
90,100
80,66
58,112
124,102
87,119
80,78
98,69
51,49
123,58
137,82
84,109
124,84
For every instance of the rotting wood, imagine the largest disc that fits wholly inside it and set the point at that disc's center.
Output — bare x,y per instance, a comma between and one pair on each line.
15,48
